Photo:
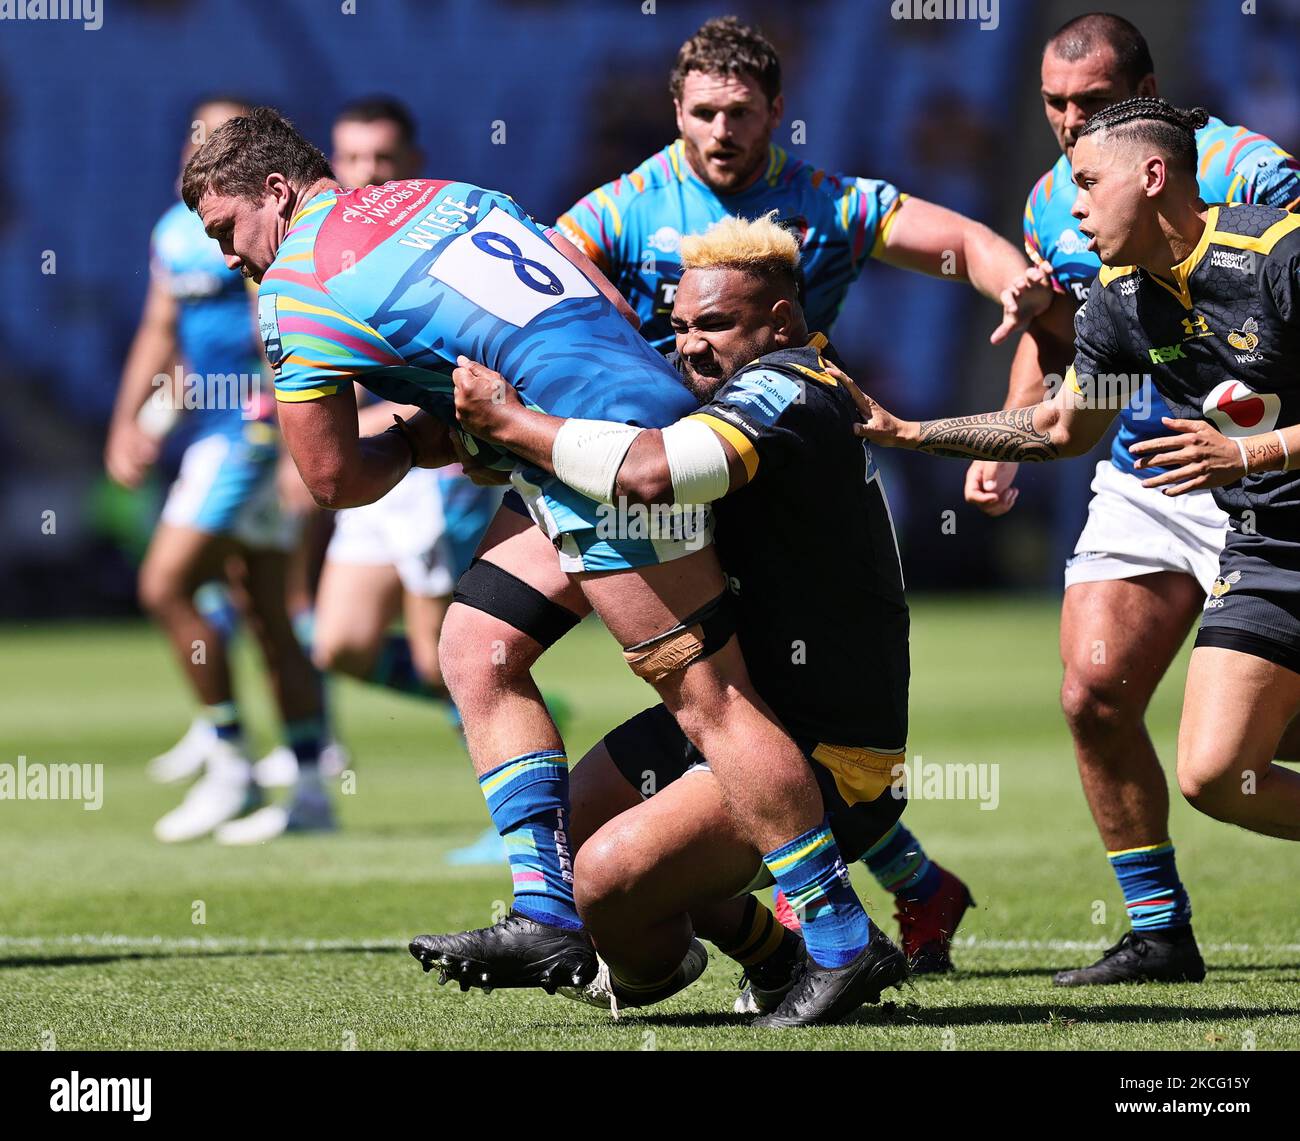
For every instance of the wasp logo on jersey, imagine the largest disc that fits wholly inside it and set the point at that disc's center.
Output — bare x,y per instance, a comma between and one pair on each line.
1238,410
1247,340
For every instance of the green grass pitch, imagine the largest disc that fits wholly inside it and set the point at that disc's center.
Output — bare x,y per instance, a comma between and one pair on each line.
303,942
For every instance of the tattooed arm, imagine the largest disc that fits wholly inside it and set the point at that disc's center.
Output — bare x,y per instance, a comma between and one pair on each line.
1054,429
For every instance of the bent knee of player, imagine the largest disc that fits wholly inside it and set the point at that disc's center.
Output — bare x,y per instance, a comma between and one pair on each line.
343,656
478,655
1211,782
159,591
605,874
1094,705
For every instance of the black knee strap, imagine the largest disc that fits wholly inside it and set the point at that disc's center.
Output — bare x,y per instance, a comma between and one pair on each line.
487,587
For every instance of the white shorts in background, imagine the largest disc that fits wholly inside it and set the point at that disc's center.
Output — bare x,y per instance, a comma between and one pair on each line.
1134,530
406,530
226,486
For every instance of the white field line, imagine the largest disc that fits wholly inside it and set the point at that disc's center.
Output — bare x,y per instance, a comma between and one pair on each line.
238,943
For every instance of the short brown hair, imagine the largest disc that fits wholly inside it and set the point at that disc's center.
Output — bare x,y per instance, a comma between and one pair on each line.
725,46
244,150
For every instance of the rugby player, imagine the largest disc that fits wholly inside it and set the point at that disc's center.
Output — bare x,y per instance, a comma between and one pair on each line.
402,554
1206,300
387,286
222,504
658,855
1145,562
726,91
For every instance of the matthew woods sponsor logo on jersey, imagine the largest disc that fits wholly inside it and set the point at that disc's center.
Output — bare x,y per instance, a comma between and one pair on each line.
686,523
212,392
87,12
1115,391
75,1094
384,203
985,11
919,779
36,781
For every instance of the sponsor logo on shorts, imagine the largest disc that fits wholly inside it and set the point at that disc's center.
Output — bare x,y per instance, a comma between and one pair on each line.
1221,586
1236,409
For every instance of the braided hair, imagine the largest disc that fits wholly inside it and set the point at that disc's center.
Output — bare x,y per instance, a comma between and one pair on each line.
1155,122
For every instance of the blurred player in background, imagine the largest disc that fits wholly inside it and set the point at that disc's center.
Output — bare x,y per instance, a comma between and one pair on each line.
401,555
726,89
222,511
1144,562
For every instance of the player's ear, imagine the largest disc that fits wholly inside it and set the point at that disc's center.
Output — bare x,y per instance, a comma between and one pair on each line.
778,109
1154,175
277,187
783,321
677,110
1146,87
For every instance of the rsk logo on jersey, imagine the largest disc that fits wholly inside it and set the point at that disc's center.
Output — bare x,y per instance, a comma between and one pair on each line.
1238,410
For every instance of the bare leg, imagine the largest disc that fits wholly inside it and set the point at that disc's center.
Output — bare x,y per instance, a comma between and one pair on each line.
1117,640
178,562
1234,713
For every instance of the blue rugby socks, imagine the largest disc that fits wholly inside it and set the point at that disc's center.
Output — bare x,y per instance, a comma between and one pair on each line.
528,798
1153,893
901,866
812,874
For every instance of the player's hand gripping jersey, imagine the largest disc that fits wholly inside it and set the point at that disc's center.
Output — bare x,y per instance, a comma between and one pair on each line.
632,228
1235,166
388,284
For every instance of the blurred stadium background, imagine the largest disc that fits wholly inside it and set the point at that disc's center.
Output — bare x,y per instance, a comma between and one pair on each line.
90,125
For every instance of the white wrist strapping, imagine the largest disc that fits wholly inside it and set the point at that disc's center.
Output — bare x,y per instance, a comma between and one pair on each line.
588,453
696,461
1241,449
1286,452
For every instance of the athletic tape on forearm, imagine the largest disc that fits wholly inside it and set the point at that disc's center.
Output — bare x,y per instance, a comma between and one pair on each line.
696,461
588,453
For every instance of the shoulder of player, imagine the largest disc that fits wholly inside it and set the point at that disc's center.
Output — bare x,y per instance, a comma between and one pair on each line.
781,386
1049,185
1249,226
1221,146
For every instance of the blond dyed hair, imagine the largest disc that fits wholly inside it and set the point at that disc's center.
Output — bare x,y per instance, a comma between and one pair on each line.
759,246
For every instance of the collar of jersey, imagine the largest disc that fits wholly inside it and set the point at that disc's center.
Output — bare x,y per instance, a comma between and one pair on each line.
1183,270
311,202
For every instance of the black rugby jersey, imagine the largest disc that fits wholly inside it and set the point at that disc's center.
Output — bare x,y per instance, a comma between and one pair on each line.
809,552
1221,341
